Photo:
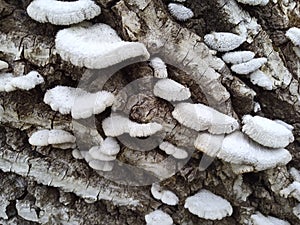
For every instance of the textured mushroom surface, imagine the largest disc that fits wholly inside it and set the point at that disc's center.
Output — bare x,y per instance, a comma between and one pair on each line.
248,67
158,217
180,12
222,41
238,57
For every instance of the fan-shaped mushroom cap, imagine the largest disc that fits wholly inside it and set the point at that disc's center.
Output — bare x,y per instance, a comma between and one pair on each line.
207,205
254,2
101,165
223,41
261,79
248,67
60,137
158,217
62,13
39,138
159,67
156,191
267,132
209,144
96,47
238,57
180,12
171,90
201,117
170,149
169,198
260,219
294,35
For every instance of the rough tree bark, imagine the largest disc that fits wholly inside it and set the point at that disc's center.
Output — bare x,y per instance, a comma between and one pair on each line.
58,189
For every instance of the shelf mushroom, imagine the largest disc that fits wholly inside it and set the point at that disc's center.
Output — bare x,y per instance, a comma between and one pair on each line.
201,117
294,35
97,47
62,13
249,67
207,205
166,196
159,67
170,149
180,12
158,217
3,65
260,219
238,57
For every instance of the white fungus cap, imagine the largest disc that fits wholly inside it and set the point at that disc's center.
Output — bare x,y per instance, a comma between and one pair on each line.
79,103
171,90
222,41
96,47
288,126
76,153
180,12
156,191
169,198
249,67
109,146
267,132
62,13
207,205
209,144
116,125
39,138
170,149
97,154
254,2
261,79
8,82
101,165
201,117
3,65
296,211
292,190
158,217
238,57
294,35
159,67
260,219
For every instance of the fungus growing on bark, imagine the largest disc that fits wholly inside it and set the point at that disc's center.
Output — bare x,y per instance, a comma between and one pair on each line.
166,196
254,2
159,67
96,47
260,219
201,117
8,82
292,190
62,13
3,65
116,125
238,57
222,41
79,103
209,144
170,149
56,138
261,79
267,132
207,205
248,67
294,35
105,166
171,90
156,191
158,217
180,12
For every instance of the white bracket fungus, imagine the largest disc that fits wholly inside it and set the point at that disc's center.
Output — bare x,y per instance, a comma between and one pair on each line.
80,103
56,138
180,12
207,205
296,211
171,90
8,82
170,149
108,147
261,79
254,2
96,47
209,144
3,65
105,166
158,217
201,117
292,190
260,219
267,132
249,67
238,57
62,13
294,35
159,67
166,196
116,125
223,41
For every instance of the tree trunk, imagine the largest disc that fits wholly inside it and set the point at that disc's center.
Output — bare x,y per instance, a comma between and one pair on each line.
44,185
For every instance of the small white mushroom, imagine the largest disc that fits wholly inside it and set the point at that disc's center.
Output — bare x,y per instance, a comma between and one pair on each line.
180,12
158,217
295,174
96,154
254,2
60,137
39,138
261,79
222,41
207,205
101,165
169,198
267,132
260,219
156,191
292,190
3,65
116,125
249,67
62,13
238,57
96,47
77,154
294,35
159,67
109,146
64,145
257,107
201,117
170,149
171,90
